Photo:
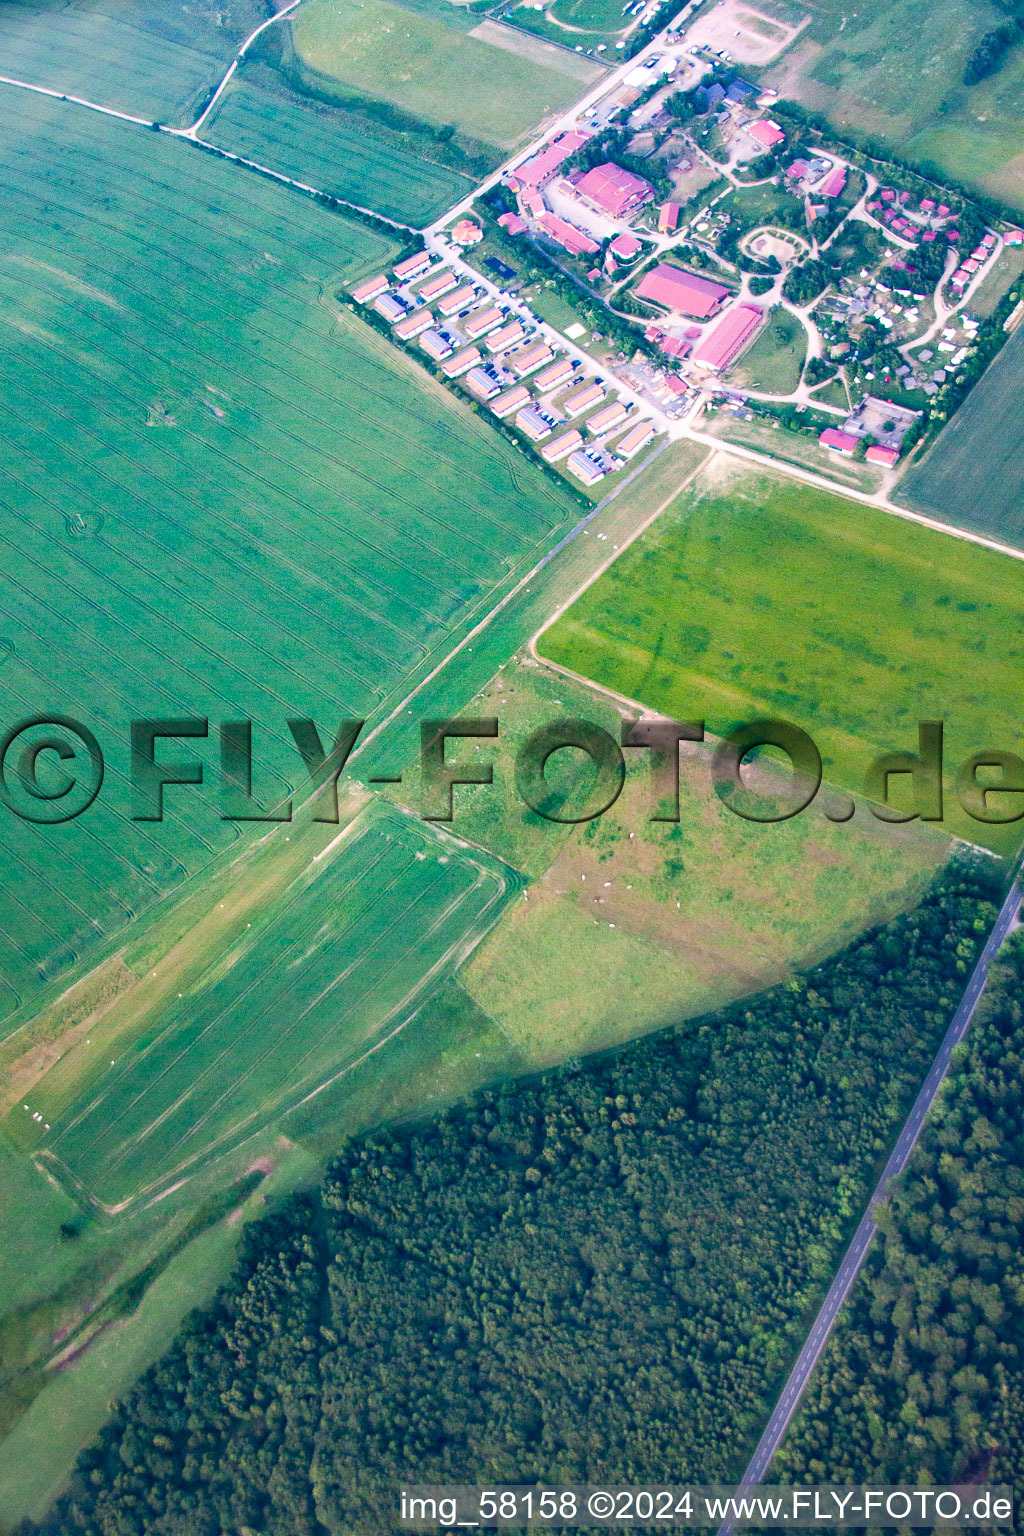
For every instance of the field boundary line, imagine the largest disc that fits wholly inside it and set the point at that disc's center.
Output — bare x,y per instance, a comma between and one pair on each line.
615,553
513,592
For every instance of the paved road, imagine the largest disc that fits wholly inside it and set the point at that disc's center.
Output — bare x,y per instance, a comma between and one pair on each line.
855,1254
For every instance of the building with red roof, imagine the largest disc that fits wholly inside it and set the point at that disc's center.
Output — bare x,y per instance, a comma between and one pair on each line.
834,182
625,247
1014,237
538,170
613,190
766,132
682,291
668,218
512,223
888,195
879,455
927,204
467,232
735,331
567,235
839,442
943,211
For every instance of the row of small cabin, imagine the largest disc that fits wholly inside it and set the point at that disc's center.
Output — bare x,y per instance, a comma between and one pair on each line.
490,327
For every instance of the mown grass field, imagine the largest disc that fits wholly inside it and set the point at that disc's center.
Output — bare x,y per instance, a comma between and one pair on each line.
331,149
152,61
331,969
436,70
973,474
893,71
274,513
775,360
755,597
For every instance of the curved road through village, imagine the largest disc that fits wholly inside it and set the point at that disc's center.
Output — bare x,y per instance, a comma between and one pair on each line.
854,1257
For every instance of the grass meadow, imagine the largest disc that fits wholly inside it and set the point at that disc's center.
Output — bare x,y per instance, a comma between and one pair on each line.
220,497
893,71
480,82
753,596
973,474
775,360
152,61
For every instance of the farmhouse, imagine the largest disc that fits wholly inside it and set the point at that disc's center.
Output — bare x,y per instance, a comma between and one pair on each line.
586,466
533,423
483,321
559,447
412,266
767,133
507,336
613,191
837,441
668,218
390,306
530,359
560,372
538,170
460,299
636,438
736,330
511,400
369,289
682,291
482,383
466,232
461,363
834,182
442,283
625,247
436,345
876,454
414,325
583,399
607,417
512,223
567,235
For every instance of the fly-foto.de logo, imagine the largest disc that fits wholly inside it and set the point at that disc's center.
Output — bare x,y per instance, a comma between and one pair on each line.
53,768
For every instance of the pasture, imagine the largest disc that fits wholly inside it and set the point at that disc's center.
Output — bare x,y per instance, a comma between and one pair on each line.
754,597
328,973
437,70
893,72
221,496
329,148
152,61
775,359
629,923
973,474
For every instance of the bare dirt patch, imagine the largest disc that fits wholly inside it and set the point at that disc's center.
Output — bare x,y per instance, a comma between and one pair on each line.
750,36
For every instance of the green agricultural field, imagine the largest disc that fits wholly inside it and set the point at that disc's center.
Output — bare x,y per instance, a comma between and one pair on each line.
893,71
334,968
221,496
753,596
331,149
973,475
489,83
775,360
152,61
604,16
630,923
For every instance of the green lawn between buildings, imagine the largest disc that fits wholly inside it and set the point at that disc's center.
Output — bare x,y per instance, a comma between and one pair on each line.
753,596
